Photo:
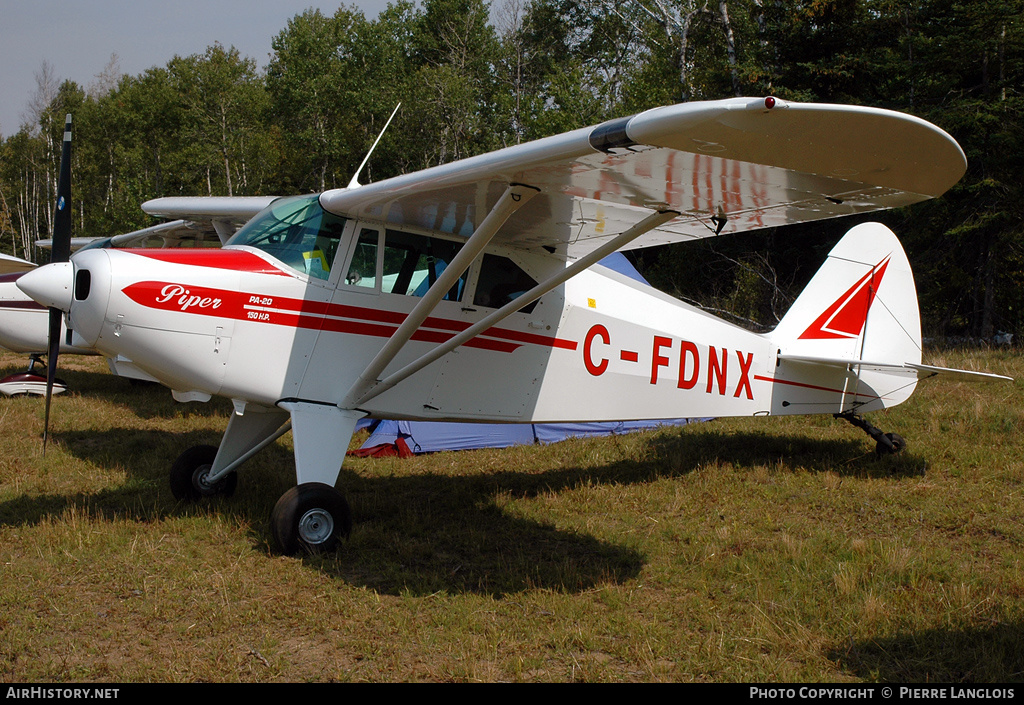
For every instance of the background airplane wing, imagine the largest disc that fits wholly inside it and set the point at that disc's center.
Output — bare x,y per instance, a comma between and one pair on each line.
727,166
12,265
199,221
176,233
219,215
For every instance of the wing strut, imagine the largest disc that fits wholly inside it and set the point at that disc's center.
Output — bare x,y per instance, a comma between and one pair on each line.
515,196
619,241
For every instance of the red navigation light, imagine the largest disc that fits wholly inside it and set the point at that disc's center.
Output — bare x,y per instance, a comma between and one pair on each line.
769,102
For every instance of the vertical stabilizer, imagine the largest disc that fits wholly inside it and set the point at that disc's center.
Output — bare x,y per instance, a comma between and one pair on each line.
853,329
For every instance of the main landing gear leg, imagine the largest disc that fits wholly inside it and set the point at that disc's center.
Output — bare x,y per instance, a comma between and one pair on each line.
205,471
885,443
313,517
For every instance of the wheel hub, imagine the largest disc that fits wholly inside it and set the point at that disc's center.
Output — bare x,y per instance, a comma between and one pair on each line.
201,481
316,526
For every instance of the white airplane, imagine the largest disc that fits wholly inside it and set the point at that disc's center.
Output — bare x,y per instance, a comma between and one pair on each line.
22,321
470,292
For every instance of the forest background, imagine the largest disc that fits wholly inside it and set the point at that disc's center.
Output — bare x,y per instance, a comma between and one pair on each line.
473,78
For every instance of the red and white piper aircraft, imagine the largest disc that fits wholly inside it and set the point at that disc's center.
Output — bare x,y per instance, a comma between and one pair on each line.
469,291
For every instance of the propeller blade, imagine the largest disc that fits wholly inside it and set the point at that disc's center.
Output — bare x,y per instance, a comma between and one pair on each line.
51,366
61,252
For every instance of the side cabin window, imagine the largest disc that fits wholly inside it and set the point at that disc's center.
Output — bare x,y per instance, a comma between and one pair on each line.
501,281
412,263
298,232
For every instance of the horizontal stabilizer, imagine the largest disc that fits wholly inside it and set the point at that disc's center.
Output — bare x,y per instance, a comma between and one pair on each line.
923,371
930,370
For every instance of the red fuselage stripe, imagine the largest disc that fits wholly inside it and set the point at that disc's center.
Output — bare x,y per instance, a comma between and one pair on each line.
22,305
243,261
815,387
322,315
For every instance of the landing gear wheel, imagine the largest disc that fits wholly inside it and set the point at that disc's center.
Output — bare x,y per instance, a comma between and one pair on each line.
190,472
898,445
312,518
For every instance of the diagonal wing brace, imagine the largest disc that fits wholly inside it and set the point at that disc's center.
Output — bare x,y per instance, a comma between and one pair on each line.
514,197
650,222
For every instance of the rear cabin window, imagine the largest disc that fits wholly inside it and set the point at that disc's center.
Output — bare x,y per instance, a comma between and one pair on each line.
412,263
501,281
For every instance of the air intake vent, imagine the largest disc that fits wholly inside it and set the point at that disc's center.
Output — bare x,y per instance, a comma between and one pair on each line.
83,282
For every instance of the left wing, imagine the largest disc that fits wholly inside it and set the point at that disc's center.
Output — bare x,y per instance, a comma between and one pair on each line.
199,221
725,166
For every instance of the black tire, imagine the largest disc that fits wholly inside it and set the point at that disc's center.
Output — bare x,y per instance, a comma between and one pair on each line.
189,472
310,518
898,445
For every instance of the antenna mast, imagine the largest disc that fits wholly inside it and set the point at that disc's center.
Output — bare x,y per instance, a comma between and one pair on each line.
354,183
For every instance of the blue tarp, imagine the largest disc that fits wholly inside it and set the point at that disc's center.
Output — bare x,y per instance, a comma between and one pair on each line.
617,261
410,437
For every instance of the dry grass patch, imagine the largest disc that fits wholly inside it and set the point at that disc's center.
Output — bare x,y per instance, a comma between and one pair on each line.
737,550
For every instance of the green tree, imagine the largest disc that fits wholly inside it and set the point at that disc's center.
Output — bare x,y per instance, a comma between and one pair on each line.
140,126
225,101
306,85
961,65
453,87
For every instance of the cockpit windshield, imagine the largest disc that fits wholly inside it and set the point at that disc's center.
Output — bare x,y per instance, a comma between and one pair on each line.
298,232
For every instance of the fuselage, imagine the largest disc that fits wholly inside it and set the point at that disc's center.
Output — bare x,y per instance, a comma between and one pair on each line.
297,305
235,323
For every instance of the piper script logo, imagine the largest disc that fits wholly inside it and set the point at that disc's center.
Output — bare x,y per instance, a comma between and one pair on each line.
184,299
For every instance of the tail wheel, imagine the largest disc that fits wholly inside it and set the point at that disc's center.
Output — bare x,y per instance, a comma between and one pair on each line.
190,476
311,518
898,445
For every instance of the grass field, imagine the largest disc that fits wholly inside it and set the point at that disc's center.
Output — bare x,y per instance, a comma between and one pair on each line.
753,550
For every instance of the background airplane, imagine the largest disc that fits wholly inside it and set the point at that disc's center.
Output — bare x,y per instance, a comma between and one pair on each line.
469,291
